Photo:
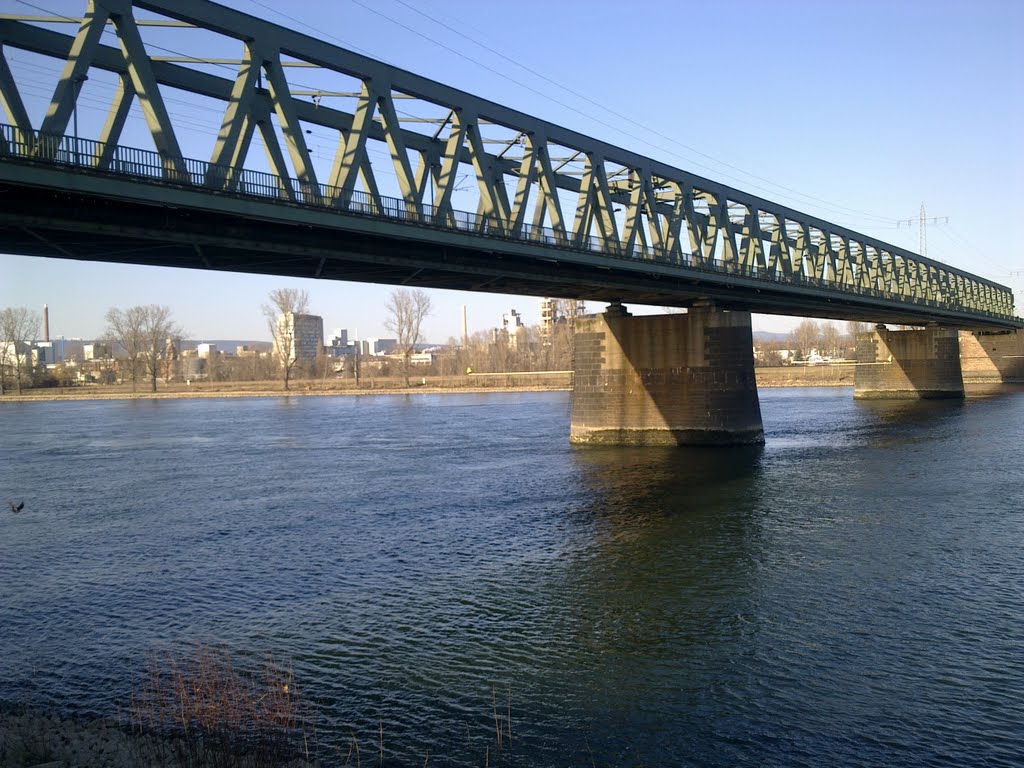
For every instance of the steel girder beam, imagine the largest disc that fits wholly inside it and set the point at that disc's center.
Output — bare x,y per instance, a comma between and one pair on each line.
636,206
106,219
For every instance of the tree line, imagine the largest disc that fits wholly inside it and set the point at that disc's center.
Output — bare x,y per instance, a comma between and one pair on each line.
149,340
828,339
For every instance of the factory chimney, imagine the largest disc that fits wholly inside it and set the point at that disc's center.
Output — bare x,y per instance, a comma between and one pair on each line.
465,329
46,323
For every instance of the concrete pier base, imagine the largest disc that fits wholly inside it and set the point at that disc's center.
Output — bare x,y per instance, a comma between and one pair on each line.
681,379
908,365
995,357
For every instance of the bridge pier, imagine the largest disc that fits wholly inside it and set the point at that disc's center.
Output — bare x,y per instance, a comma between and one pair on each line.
992,356
679,379
908,364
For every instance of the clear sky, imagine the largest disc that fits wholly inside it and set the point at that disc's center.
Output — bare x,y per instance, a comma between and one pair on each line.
857,111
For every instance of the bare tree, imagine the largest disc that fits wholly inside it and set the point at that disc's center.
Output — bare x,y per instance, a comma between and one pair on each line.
18,327
832,339
407,309
124,327
806,336
159,333
285,304
143,332
562,351
853,329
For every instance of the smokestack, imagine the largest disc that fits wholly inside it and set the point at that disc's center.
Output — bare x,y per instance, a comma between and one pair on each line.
46,323
465,328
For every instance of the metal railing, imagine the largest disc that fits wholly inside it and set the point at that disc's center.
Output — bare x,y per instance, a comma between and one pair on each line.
151,167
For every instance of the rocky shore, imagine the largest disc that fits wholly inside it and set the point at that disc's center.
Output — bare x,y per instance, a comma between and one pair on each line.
31,739
46,740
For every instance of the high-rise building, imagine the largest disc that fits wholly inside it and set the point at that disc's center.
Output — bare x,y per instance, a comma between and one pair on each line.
547,319
512,327
300,338
555,311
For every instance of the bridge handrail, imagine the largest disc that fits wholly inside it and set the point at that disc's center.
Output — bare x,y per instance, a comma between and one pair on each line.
150,167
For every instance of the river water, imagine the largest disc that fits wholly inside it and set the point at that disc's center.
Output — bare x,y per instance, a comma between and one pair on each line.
850,594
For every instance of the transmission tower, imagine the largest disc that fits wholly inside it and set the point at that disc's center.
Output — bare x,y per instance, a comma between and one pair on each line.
922,228
922,231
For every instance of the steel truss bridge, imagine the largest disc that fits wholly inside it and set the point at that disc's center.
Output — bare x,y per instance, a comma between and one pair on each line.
557,213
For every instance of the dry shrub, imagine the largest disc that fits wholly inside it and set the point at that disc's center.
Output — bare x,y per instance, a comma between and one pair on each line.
209,713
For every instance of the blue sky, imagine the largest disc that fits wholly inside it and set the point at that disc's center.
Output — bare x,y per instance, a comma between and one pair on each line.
857,112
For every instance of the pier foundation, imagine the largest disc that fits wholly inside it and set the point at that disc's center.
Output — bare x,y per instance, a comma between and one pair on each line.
678,379
995,357
911,364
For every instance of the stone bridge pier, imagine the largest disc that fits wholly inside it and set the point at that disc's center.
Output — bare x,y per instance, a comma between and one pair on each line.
675,379
992,356
915,364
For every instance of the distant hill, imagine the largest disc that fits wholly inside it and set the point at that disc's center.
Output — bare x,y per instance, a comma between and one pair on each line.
770,336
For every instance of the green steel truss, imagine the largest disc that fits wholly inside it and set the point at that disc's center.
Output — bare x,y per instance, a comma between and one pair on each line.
530,175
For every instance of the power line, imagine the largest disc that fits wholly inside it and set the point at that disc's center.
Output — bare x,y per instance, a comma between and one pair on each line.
618,115
922,228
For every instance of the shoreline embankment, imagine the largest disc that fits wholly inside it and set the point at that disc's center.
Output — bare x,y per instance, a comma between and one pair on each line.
841,375
818,376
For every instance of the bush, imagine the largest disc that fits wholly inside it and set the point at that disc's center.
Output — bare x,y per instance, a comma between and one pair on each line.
210,714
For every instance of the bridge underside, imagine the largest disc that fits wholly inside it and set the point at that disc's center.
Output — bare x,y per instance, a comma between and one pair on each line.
171,227
553,212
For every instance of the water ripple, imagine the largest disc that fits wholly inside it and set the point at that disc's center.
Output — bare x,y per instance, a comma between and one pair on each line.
850,594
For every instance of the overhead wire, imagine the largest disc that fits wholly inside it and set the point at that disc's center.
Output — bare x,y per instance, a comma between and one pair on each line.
956,239
627,118
826,204
821,202
879,221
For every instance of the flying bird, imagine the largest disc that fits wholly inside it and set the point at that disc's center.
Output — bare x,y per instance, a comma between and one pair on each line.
16,508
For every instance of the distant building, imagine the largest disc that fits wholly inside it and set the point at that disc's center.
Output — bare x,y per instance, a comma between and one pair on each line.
512,321
172,354
512,328
204,351
338,344
96,351
300,336
547,319
556,311
374,346
13,349
44,353
423,358
70,349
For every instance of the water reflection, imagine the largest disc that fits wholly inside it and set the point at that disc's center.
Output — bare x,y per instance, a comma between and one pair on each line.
665,591
663,477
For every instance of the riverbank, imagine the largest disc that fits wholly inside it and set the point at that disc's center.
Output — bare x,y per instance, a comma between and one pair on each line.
36,739
806,376
300,388
812,376
767,378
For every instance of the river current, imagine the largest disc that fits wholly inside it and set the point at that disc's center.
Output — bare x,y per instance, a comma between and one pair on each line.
850,594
